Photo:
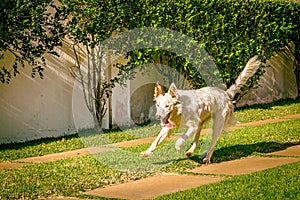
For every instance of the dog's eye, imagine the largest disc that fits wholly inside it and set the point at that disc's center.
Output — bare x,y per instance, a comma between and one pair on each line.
167,106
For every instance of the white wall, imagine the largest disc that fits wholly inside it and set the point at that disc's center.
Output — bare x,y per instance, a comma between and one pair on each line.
33,108
127,105
278,82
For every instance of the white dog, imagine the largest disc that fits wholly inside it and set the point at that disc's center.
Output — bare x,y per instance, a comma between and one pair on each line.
192,108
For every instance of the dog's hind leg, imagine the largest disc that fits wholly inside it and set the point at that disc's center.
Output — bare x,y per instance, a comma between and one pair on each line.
195,143
218,125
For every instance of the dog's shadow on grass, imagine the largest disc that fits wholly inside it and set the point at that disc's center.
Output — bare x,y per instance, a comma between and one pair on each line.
239,151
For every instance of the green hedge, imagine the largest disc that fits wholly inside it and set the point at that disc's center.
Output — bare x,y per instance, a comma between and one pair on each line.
231,31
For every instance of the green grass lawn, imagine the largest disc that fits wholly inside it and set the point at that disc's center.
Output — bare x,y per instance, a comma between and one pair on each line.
276,183
54,145
268,111
71,177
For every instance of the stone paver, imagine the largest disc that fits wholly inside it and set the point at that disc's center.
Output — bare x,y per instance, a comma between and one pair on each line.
153,186
8,165
244,166
295,116
135,142
62,198
66,154
290,151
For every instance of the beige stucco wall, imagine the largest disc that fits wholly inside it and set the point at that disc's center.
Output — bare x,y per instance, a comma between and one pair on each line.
278,82
33,108
133,104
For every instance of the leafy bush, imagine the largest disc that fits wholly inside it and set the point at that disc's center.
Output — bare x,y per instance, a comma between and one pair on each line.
231,31
28,30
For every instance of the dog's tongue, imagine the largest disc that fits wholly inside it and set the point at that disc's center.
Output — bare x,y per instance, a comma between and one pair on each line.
166,122
169,125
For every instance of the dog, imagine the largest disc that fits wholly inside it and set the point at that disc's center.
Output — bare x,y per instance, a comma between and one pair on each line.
192,108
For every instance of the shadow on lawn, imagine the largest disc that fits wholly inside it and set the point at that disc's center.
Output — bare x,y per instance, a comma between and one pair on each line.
47,140
239,151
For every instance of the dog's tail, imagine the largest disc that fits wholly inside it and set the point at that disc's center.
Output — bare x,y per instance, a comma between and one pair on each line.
249,70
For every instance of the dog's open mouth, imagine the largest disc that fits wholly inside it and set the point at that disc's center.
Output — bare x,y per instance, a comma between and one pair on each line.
167,123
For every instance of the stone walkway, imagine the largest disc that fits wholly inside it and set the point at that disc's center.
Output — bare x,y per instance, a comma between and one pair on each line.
53,157
154,186
168,183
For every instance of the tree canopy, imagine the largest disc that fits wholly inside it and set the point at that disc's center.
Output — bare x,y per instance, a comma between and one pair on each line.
28,30
231,31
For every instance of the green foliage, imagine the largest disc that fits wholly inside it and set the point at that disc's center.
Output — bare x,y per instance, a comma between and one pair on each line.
231,31
28,30
91,22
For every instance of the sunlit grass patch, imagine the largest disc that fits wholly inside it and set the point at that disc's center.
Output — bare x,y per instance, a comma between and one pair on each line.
71,177
66,177
276,183
70,142
268,111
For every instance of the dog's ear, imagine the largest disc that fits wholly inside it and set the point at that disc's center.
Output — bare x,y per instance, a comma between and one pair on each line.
157,90
173,91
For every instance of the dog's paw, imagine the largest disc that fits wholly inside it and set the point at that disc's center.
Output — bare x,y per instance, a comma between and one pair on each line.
206,161
179,144
188,154
146,153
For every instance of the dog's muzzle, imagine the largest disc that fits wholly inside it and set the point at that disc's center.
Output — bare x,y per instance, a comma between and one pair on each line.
165,121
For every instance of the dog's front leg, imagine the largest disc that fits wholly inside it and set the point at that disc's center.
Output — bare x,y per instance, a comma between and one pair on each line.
161,137
184,137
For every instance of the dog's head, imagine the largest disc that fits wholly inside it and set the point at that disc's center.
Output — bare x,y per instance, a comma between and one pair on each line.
168,109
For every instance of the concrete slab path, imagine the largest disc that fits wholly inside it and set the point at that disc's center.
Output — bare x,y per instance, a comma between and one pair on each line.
91,150
290,151
66,154
62,198
243,166
165,184
268,121
135,142
8,165
153,186
53,157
